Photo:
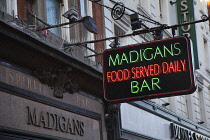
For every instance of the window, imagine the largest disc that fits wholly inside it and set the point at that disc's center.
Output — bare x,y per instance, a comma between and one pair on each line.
3,5
83,10
182,106
201,107
86,10
153,9
160,7
23,14
53,15
83,7
208,108
163,102
144,4
9,7
119,31
197,106
165,10
206,54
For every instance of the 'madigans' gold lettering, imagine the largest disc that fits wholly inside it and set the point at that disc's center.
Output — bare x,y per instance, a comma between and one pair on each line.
55,122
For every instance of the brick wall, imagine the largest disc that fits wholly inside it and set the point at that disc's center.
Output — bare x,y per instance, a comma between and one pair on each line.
24,6
98,17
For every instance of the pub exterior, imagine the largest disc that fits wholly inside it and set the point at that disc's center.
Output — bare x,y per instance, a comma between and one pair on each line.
31,109
45,93
181,117
51,82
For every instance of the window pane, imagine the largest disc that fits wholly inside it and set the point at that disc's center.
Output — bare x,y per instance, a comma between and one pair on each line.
53,15
83,8
83,12
3,5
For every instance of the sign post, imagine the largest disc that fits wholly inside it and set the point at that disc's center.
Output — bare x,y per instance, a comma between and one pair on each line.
150,70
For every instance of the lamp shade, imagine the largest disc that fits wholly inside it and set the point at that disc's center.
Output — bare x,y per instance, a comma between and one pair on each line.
95,0
89,24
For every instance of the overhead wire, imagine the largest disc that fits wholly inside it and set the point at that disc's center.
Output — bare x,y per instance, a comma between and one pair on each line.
143,31
71,26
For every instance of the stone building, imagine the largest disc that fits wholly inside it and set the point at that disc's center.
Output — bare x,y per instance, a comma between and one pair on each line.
49,91
187,114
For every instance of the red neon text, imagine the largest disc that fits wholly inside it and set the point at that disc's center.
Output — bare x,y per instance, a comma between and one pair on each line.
118,76
147,71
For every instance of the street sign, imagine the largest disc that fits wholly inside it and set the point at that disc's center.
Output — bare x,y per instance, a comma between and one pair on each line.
151,70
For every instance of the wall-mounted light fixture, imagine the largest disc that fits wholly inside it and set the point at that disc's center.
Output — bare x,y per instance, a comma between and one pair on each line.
115,43
201,122
87,21
89,24
165,104
135,21
158,34
71,14
172,3
94,0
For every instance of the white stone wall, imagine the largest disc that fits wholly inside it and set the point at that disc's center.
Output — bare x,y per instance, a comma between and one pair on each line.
200,103
196,106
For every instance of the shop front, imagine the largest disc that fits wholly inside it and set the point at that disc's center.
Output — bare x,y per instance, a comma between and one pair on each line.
148,121
45,93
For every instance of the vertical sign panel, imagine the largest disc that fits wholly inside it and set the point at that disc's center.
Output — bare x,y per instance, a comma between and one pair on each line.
185,13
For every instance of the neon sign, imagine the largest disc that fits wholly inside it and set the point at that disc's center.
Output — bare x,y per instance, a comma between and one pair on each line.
144,71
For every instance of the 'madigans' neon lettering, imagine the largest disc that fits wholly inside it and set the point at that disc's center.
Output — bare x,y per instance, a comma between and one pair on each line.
147,54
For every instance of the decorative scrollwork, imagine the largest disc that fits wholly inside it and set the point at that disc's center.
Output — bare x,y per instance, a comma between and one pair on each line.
203,17
118,11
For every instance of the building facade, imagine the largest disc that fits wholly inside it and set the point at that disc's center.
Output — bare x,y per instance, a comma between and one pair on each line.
51,81
179,117
49,91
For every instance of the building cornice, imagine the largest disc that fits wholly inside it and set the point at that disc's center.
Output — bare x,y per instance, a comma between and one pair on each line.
23,48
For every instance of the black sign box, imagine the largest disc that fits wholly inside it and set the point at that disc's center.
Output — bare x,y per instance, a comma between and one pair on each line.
151,70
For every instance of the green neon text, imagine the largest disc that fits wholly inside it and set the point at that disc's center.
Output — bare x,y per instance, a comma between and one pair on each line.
147,54
137,87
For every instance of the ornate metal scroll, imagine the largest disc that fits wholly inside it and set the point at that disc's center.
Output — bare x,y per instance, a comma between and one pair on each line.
118,11
60,80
